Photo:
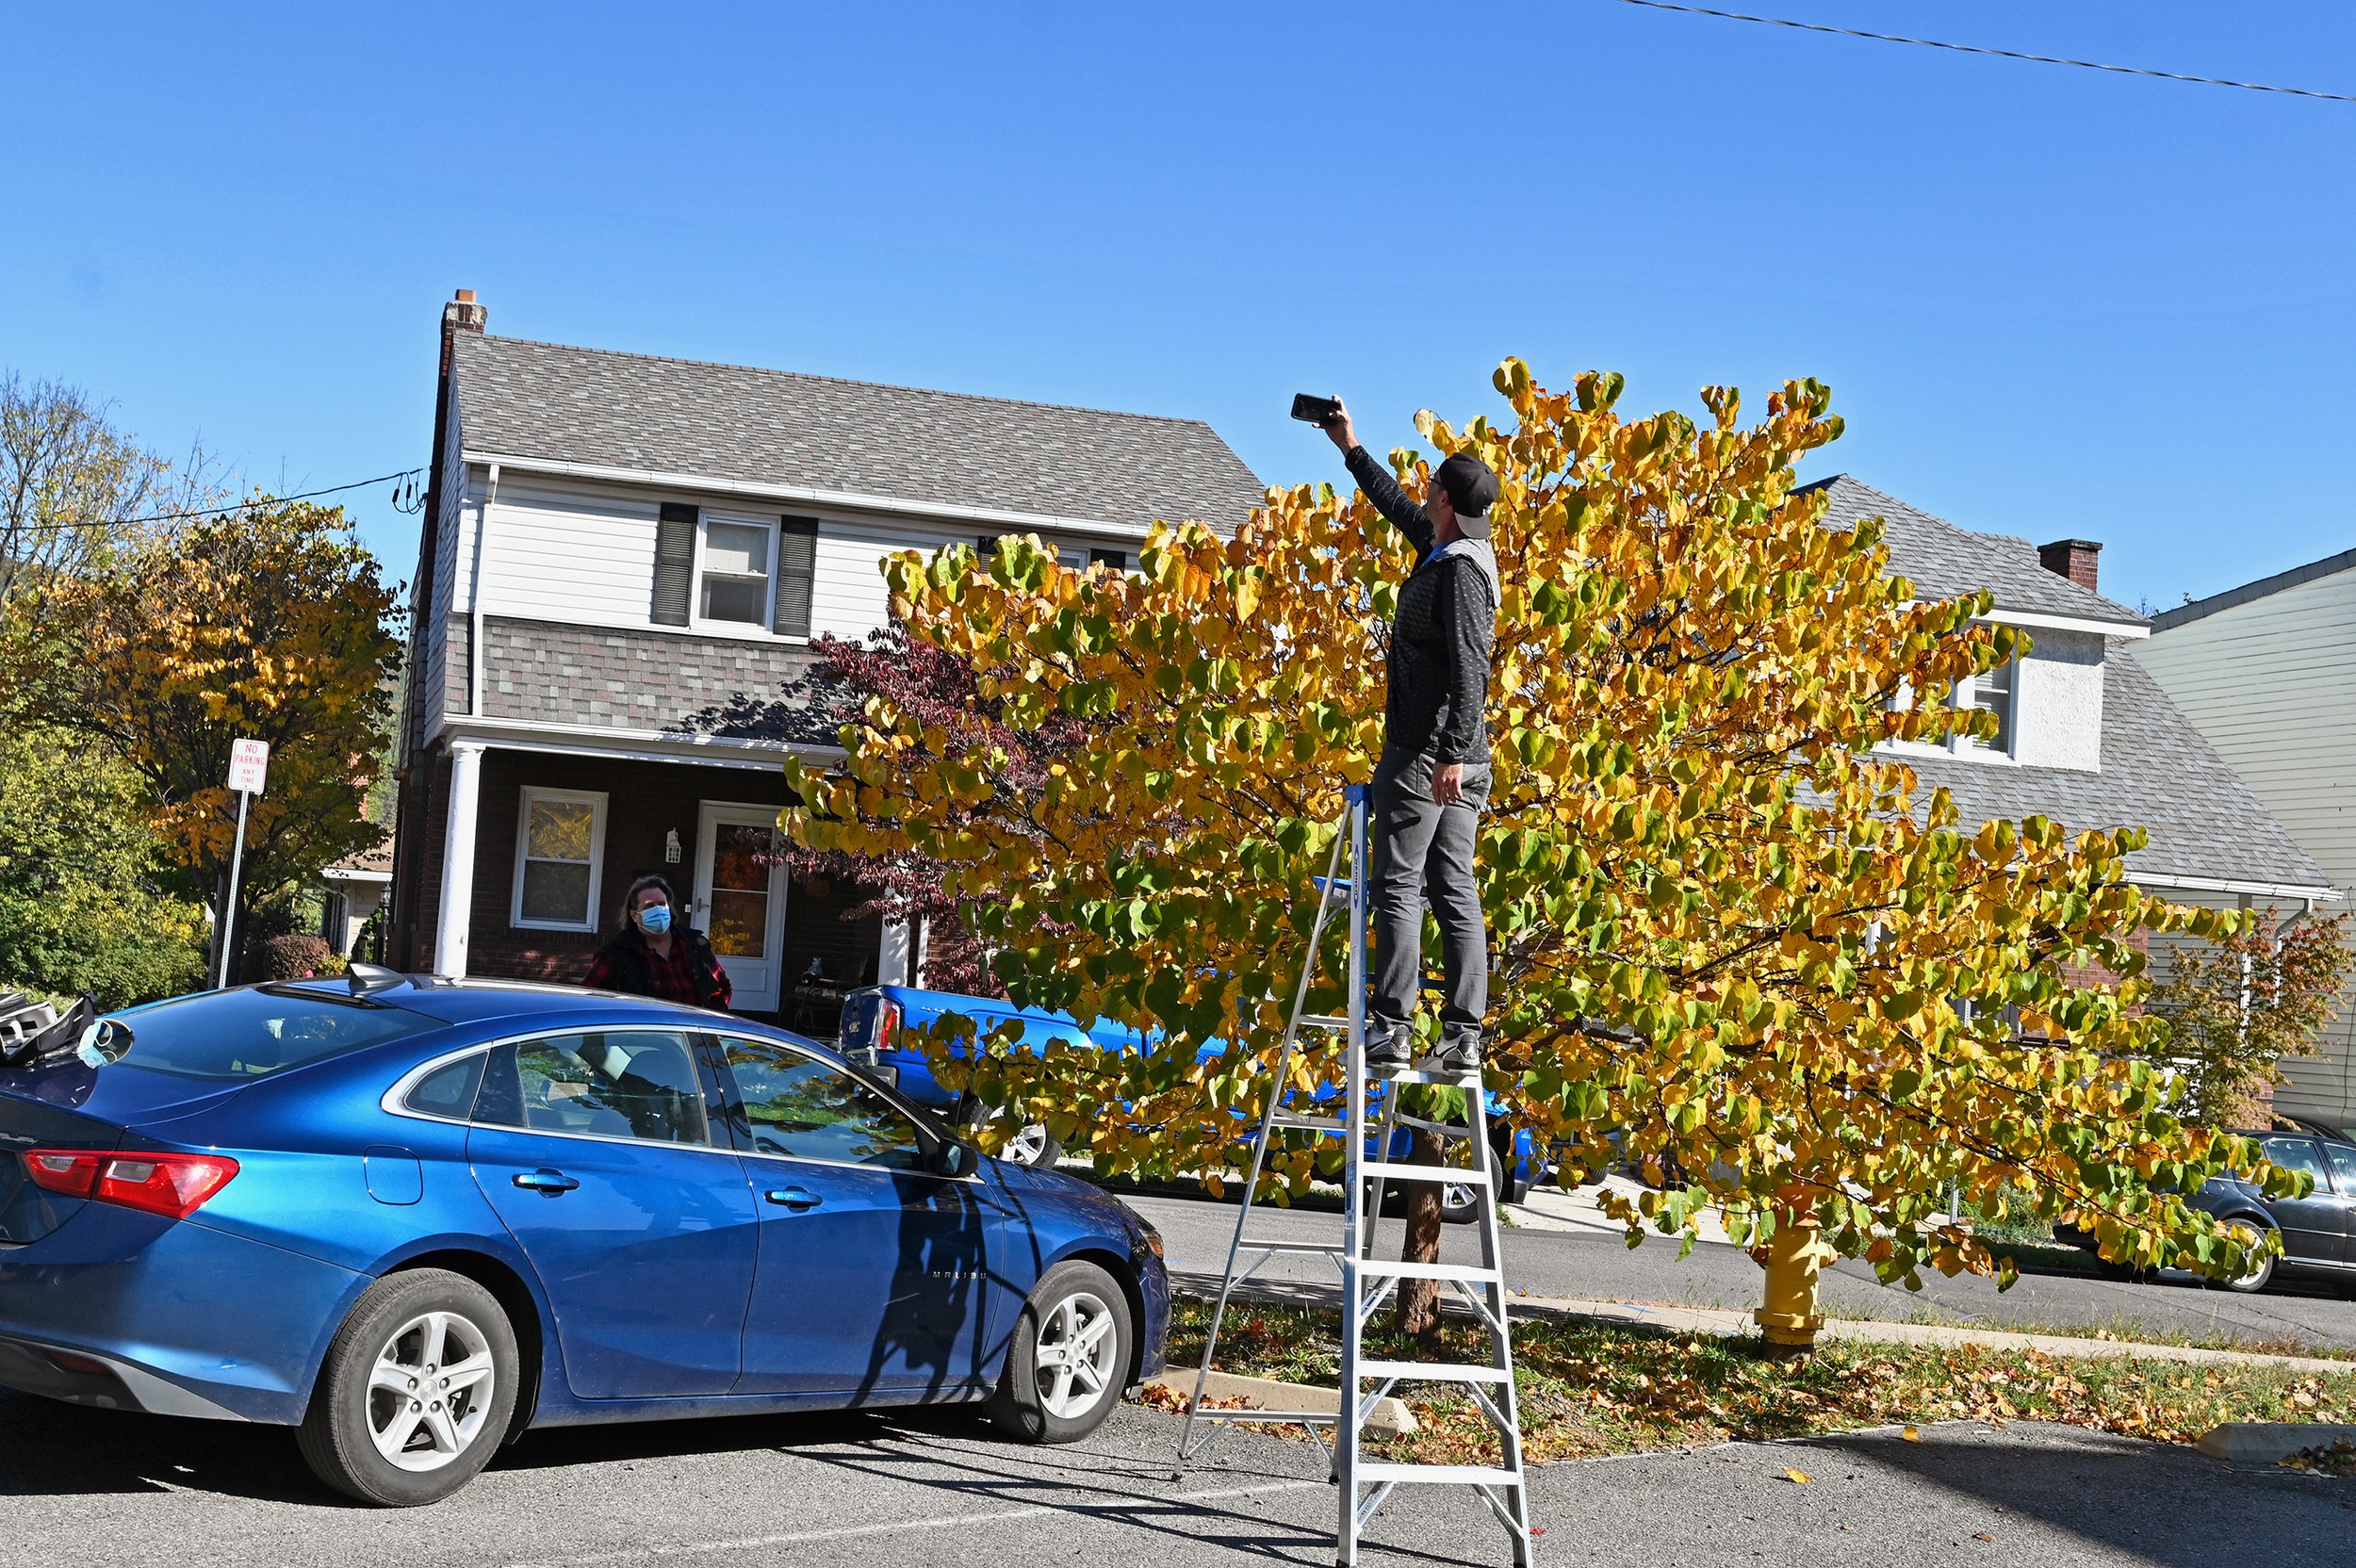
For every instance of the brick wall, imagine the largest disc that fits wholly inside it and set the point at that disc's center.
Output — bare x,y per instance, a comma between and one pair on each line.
643,801
417,893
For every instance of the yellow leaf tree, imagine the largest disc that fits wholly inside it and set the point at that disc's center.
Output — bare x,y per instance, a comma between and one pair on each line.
1735,944
271,624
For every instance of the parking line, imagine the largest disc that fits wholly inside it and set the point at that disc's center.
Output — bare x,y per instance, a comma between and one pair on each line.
945,1521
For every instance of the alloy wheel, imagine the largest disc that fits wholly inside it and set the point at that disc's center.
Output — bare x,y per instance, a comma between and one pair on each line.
1027,1145
1075,1360
429,1391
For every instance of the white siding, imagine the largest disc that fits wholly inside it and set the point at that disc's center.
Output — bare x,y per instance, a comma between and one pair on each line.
559,553
2273,684
2059,706
849,597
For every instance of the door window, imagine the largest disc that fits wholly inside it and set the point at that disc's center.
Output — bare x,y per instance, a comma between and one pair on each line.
2297,1154
633,1084
807,1110
743,857
2343,1160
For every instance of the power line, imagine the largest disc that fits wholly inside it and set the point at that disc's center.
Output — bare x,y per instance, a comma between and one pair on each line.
1978,49
237,506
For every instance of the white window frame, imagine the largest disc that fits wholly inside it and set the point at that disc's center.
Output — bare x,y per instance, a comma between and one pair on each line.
1966,696
696,620
594,800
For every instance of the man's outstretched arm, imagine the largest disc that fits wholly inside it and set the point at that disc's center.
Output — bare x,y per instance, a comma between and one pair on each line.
1381,488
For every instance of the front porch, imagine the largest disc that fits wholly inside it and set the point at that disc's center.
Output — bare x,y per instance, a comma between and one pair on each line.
539,839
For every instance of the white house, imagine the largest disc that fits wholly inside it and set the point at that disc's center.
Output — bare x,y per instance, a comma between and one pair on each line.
614,543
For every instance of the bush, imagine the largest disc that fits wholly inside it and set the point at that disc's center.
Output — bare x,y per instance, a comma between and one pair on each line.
297,956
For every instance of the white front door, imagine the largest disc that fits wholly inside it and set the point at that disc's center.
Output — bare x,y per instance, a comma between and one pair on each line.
740,899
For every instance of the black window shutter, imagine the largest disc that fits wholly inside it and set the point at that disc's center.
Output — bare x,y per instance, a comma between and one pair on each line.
1117,559
674,564
798,570
986,545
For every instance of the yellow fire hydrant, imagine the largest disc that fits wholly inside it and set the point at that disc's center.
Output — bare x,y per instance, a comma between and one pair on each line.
1792,1256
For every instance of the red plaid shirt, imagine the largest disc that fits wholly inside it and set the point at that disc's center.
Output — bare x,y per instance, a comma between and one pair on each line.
673,974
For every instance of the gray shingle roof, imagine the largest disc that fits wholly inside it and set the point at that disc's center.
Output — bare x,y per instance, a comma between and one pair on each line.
2158,772
597,407
1943,561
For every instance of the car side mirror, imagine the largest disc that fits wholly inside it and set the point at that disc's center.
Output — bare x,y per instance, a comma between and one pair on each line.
950,1158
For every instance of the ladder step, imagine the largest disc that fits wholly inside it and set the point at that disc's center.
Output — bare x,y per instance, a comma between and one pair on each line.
1433,1372
1323,1020
1395,1170
1312,1124
1286,1417
1467,1272
1448,1080
1306,1248
1462,1474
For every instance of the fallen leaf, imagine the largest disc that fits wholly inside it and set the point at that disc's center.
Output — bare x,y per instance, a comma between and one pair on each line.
1797,1477
1982,1535
1912,1434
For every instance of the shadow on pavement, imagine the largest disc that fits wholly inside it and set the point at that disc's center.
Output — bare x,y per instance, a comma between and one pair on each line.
2157,1503
48,1449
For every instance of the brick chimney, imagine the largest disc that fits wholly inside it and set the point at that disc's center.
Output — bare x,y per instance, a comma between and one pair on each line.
2071,558
461,315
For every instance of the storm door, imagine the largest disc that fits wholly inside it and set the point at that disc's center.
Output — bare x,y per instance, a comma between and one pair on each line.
740,899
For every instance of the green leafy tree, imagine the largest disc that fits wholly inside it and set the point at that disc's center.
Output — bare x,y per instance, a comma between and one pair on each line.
273,623
2238,1006
89,902
1737,943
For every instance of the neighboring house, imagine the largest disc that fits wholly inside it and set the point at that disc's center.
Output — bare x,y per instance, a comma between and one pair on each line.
354,890
2268,673
615,544
2086,735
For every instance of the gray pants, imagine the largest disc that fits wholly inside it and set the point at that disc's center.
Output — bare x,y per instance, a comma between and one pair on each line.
1425,850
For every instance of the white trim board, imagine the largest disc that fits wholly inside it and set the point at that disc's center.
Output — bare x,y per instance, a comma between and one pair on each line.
686,484
629,745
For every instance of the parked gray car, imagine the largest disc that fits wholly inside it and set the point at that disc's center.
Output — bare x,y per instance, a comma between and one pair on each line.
2318,1231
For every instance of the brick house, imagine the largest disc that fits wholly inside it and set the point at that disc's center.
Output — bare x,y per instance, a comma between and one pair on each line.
615,544
2086,736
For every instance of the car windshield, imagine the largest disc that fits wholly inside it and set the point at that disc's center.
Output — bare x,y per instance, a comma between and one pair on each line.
235,1035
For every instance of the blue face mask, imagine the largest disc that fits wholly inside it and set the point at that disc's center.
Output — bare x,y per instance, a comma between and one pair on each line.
655,918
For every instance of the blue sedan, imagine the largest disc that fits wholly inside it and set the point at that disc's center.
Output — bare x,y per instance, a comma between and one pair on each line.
414,1217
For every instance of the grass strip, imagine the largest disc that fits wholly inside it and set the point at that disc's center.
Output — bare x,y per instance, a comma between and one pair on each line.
1590,1389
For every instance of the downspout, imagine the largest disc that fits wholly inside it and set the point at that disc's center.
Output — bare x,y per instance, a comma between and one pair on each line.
474,597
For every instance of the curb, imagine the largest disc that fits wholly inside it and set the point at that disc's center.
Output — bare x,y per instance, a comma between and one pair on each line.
2269,1442
1391,1418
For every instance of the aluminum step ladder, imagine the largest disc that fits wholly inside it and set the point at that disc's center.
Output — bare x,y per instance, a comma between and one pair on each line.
1367,1281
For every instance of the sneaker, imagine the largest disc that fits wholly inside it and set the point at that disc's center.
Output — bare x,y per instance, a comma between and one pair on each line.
1387,1050
1458,1054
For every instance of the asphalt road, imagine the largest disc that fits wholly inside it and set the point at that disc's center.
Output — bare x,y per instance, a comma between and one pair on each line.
1590,1266
935,1490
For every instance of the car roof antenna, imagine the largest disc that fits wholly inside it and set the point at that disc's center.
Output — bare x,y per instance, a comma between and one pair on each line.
367,979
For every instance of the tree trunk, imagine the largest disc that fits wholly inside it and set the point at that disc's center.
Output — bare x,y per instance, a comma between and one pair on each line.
1419,1299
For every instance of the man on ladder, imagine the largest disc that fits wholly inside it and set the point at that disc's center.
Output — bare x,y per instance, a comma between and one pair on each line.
1432,780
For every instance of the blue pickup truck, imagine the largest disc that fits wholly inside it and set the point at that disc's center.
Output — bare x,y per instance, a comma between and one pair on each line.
879,1026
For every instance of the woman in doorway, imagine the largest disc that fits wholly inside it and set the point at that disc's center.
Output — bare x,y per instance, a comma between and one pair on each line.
654,956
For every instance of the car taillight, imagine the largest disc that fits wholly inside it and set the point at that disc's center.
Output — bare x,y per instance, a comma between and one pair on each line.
174,1185
887,1014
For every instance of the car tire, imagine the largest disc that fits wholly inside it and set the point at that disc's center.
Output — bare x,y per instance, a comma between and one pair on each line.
2258,1277
403,1330
1051,1392
1034,1146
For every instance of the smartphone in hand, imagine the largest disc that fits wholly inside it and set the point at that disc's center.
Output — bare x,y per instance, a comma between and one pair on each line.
1311,410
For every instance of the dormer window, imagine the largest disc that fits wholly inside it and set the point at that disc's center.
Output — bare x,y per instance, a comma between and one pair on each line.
1993,692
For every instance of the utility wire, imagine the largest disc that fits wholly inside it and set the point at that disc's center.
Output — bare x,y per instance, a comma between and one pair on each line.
1978,49
237,506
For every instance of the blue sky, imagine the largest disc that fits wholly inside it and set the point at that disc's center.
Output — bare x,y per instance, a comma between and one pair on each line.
2049,302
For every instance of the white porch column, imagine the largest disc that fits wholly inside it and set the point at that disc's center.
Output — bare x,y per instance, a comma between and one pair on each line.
458,840
897,957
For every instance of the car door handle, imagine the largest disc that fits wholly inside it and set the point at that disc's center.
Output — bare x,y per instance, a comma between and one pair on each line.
794,1197
546,1181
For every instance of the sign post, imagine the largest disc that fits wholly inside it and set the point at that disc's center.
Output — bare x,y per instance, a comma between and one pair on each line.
248,766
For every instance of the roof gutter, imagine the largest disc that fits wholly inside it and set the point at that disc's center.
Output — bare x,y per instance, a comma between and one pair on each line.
2313,893
847,500
474,595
